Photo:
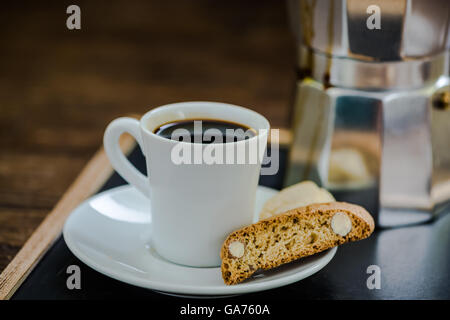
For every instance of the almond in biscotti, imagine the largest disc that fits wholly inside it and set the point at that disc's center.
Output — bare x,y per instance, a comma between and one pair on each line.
292,235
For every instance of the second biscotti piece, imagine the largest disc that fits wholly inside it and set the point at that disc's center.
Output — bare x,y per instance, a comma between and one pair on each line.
298,195
295,234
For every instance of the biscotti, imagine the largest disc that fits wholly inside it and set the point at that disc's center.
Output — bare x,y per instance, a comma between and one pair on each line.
298,195
295,234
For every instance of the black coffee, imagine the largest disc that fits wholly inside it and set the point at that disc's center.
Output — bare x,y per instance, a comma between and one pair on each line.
205,131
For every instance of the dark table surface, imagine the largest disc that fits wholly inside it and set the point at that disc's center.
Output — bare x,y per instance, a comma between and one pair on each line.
414,263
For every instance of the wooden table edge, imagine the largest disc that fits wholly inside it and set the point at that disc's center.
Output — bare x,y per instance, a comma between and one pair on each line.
90,180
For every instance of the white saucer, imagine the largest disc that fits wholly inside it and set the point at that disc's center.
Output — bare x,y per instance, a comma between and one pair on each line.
110,233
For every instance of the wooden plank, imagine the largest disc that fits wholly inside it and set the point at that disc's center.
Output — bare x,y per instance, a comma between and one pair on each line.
35,180
284,137
91,178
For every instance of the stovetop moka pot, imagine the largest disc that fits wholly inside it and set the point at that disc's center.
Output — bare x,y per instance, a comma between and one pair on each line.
371,118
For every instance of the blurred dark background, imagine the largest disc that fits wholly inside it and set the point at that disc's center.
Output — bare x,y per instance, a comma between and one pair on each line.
59,88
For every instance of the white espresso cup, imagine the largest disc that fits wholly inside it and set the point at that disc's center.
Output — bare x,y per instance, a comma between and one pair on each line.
193,206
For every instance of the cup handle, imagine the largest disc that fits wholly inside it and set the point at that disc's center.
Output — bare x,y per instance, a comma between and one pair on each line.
118,160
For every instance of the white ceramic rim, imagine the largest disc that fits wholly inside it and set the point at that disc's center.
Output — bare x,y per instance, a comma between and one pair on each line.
215,106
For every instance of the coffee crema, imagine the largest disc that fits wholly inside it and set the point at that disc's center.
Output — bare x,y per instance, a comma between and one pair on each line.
205,131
